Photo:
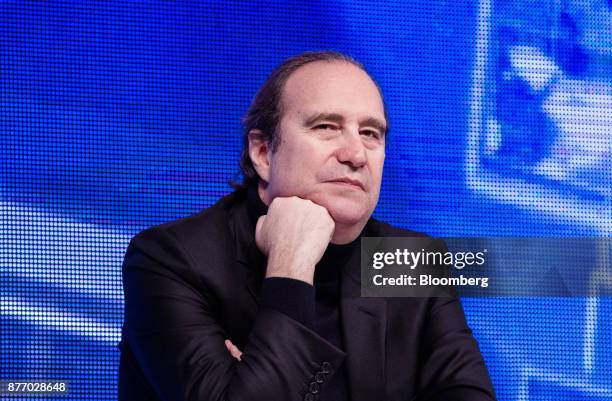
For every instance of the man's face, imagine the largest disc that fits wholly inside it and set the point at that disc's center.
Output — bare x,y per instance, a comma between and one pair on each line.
332,142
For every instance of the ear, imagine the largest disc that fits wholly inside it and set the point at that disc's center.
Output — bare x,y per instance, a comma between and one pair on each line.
260,152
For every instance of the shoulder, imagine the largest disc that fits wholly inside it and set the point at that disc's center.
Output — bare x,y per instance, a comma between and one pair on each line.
193,249
207,228
377,228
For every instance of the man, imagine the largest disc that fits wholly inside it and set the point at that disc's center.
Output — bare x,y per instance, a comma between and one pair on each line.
257,297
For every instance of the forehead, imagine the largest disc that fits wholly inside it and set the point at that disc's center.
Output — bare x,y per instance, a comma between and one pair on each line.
332,87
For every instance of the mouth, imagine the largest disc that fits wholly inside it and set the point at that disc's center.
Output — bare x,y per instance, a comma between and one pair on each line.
348,182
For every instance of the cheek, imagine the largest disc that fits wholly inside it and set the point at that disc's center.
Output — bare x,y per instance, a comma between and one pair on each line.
376,166
292,174
303,162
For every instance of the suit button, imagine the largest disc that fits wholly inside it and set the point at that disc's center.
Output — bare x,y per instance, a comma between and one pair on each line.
314,387
309,397
326,367
320,377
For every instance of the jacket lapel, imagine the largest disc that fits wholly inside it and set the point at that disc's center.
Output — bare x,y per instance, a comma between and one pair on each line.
363,331
247,259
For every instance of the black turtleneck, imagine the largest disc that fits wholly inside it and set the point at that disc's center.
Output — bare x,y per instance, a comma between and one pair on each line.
315,306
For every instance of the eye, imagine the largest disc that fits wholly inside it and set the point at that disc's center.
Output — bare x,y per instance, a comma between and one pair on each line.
371,134
325,127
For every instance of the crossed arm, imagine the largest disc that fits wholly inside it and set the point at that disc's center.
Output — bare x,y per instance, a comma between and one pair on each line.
178,343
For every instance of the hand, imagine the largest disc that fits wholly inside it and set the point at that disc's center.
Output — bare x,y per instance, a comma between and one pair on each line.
294,235
236,353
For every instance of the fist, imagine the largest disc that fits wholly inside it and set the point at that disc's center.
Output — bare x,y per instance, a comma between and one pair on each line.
294,235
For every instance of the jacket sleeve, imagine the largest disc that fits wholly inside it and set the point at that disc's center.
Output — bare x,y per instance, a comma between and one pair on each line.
171,327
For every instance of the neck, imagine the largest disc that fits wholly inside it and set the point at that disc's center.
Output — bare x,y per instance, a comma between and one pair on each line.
346,234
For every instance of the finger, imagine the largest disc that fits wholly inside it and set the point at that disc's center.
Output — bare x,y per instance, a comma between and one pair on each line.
234,351
237,354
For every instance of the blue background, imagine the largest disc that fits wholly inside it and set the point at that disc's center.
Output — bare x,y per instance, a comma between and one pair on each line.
115,116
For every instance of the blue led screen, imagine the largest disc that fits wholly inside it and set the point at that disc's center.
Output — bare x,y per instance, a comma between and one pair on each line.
115,116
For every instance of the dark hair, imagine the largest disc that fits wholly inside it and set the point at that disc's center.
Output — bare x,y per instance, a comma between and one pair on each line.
265,111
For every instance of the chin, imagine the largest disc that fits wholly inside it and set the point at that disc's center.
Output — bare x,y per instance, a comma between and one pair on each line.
345,210
347,215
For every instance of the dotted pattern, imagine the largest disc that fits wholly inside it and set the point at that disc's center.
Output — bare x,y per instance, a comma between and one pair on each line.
115,116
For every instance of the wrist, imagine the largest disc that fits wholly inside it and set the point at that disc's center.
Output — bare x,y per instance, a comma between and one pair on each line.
290,269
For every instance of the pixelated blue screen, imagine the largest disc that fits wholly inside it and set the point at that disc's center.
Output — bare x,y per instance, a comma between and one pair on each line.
115,116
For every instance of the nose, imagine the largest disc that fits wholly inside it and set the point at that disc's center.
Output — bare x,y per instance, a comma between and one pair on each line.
352,151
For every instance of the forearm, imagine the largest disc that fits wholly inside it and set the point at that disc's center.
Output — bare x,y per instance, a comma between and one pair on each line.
279,360
291,297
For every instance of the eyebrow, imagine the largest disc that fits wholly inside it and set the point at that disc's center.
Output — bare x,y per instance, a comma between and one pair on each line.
338,118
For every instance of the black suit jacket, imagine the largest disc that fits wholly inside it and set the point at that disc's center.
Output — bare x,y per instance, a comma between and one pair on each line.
188,287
